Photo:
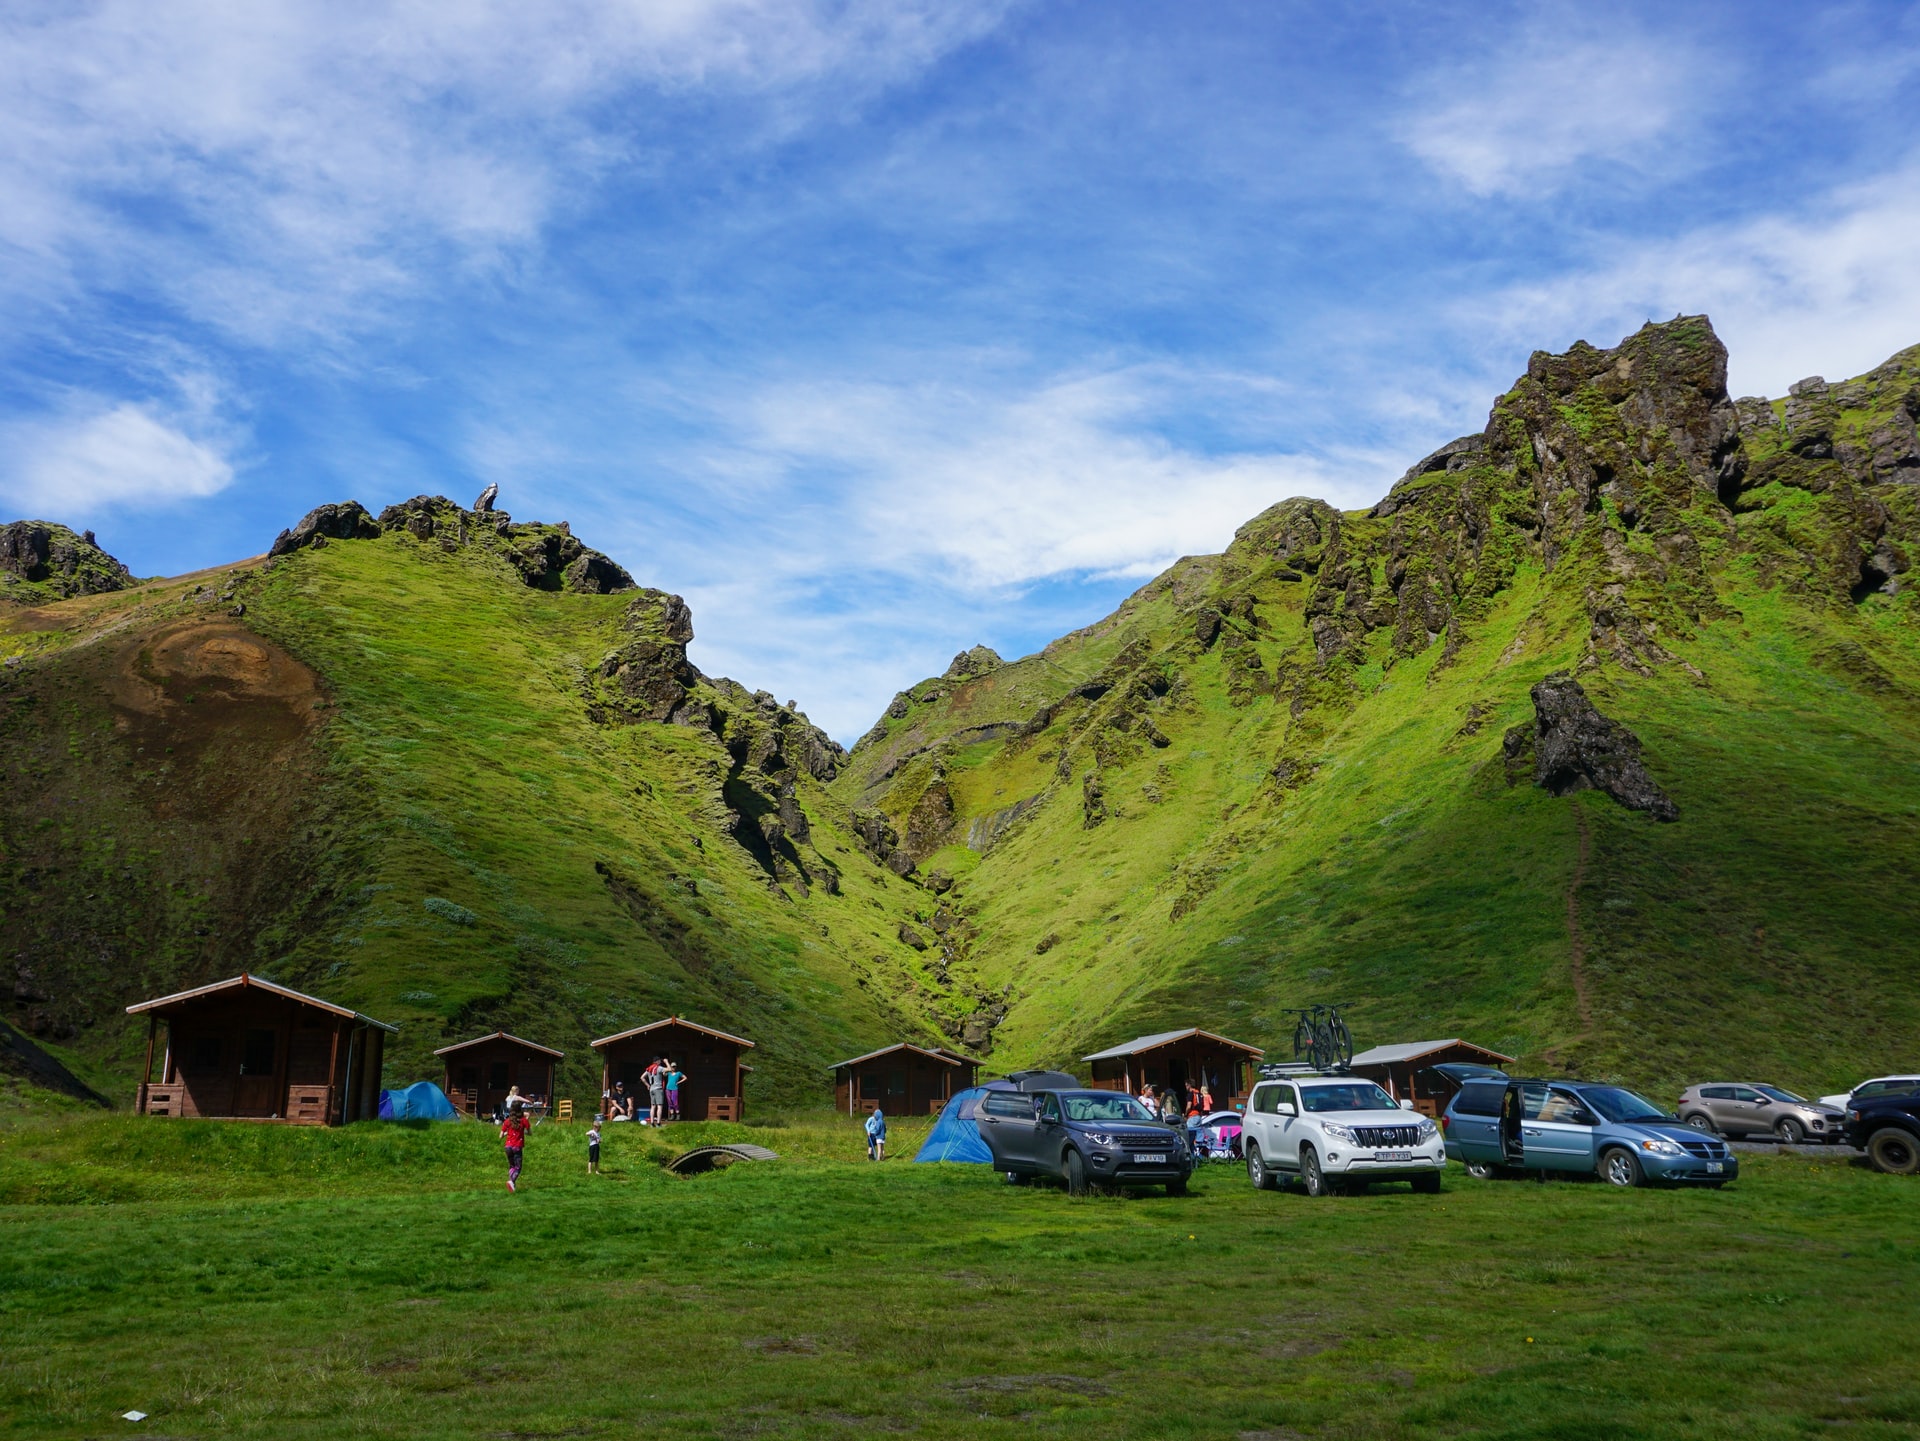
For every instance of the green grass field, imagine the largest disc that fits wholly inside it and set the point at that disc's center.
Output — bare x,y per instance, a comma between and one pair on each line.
378,1281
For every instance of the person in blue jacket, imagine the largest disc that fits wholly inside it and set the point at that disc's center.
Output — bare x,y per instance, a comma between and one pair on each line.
877,1135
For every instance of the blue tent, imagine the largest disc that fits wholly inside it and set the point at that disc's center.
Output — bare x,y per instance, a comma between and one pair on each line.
422,1101
955,1136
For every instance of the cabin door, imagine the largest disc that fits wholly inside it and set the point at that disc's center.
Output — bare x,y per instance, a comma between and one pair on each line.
254,1094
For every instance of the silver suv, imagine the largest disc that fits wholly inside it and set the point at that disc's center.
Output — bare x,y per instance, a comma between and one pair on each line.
1741,1109
1336,1133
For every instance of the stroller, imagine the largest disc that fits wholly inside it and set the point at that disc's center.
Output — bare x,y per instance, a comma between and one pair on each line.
1216,1136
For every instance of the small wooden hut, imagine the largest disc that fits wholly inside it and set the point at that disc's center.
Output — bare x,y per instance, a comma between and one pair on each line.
247,1049
713,1090
903,1078
1180,1059
480,1072
1407,1071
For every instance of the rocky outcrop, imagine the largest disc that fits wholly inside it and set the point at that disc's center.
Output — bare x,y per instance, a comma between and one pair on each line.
648,676
41,561
486,500
977,661
348,520
1575,748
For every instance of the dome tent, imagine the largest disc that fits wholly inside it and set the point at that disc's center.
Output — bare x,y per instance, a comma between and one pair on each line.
422,1101
956,1136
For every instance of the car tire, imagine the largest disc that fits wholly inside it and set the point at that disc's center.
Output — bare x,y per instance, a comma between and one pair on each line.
1311,1176
1790,1132
1894,1151
1427,1185
1014,1178
1484,1171
1257,1172
1177,1188
1076,1173
1620,1167
1702,1122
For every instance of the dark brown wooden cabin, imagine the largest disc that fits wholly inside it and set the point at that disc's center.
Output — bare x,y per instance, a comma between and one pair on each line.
1180,1059
904,1079
246,1049
480,1072
713,1090
1408,1075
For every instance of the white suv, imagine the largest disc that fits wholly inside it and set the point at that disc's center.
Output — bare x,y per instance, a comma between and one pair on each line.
1336,1133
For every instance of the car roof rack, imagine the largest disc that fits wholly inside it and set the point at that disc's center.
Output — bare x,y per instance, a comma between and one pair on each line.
1284,1070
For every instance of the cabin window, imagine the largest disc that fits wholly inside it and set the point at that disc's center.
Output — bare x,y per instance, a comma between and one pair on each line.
497,1076
870,1086
896,1083
469,1077
203,1056
256,1057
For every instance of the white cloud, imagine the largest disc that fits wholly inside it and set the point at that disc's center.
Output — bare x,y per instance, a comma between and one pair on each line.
1832,291
100,455
281,166
1524,117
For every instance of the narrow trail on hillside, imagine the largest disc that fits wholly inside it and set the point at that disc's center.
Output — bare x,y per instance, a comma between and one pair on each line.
1576,943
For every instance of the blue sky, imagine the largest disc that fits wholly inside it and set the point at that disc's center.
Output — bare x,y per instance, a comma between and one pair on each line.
878,330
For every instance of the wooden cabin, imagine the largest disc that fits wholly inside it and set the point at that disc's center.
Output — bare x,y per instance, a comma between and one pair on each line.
903,1079
1407,1071
480,1072
247,1049
1180,1059
714,1088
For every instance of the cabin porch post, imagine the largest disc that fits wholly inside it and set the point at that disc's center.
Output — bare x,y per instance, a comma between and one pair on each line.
146,1071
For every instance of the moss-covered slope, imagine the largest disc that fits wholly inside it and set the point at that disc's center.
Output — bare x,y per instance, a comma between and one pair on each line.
1284,774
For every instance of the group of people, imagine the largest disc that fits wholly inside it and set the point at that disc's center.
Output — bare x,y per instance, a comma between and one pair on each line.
1174,1104
661,1081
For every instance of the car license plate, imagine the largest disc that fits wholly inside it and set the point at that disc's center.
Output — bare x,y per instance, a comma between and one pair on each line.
1393,1155
1147,1158
1714,1168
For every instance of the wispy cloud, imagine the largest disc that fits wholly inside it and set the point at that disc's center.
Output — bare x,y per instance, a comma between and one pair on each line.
1832,289
1566,91
99,454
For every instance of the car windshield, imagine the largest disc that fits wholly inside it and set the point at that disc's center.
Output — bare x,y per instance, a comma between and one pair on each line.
1355,1096
1779,1095
1618,1105
1114,1107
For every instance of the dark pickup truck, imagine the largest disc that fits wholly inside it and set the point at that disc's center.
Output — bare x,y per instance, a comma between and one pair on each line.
1887,1128
1083,1137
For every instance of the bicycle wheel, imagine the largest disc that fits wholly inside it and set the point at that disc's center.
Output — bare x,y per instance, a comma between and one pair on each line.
1302,1038
1341,1040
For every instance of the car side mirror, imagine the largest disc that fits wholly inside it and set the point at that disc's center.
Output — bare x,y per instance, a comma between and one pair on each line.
1284,1108
1406,1105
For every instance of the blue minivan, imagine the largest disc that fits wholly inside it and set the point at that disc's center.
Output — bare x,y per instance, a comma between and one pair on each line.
1500,1126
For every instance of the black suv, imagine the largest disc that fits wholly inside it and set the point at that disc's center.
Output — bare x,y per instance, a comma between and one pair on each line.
1887,1128
1084,1138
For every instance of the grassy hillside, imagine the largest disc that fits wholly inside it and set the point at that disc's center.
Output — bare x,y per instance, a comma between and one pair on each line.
1288,782
458,772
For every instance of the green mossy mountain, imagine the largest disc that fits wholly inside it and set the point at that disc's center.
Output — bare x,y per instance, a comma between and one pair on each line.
1597,740
41,562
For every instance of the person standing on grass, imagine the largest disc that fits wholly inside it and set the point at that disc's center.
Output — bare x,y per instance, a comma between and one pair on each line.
593,1148
876,1135
657,1092
513,1135
674,1077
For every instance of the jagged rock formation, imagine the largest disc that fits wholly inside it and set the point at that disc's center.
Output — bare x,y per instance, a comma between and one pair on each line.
41,561
487,497
347,520
1575,748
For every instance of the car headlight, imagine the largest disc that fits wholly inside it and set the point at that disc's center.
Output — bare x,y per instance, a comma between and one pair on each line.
1853,1115
1340,1133
1663,1148
1100,1138
1427,1129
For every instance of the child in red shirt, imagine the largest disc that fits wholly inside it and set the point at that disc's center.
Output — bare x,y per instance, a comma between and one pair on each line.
513,1133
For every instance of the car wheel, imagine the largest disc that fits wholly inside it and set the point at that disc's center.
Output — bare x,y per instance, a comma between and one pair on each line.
1790,1131
1619,1167
1076,1170
1311,1176
1893,1151
1257,1172
1483,1171
1013,1178
1700,1121
1427,1185
1177,1188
